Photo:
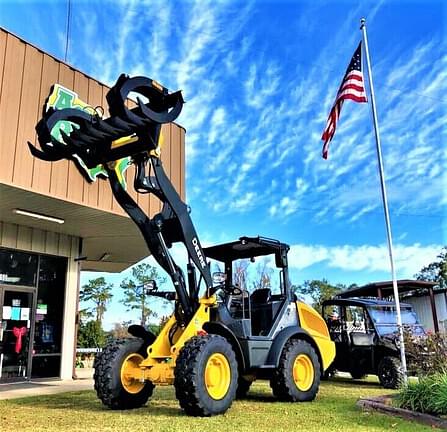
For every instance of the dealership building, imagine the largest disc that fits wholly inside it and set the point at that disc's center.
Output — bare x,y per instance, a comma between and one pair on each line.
53,223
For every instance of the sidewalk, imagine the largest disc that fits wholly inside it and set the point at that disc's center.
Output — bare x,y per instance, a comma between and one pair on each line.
46,387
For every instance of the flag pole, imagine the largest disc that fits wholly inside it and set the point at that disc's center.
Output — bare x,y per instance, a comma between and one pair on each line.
385,203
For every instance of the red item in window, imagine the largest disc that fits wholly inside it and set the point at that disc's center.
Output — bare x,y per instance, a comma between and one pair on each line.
18,333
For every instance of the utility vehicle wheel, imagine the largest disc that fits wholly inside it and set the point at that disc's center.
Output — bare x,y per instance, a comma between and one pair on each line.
113,385
358,373
243,386
390,373
297,377
328,373
206,376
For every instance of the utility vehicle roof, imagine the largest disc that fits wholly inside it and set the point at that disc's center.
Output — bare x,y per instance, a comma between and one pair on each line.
386,288
363,302
246,247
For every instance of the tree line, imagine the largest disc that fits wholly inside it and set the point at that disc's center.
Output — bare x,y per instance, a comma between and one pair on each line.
98,294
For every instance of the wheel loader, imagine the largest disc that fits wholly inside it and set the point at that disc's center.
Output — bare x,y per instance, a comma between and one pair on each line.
223,334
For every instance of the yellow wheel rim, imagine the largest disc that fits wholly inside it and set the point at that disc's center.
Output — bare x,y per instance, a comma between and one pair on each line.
130,369
217,376
303,372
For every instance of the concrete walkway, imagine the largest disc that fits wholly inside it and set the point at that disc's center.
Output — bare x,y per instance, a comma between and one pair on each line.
46,387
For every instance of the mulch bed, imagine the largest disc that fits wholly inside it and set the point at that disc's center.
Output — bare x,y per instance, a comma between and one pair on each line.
384,405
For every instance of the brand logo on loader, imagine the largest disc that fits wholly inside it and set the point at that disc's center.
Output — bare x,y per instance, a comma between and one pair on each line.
195,243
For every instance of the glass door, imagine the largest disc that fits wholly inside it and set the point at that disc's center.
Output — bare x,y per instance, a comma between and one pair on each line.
16,306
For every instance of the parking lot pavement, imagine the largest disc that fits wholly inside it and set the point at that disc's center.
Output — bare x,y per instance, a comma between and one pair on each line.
84,381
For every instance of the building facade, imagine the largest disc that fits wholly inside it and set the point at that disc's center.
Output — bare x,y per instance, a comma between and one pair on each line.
53,223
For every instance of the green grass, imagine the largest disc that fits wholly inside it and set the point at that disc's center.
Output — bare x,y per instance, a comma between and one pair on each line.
333,410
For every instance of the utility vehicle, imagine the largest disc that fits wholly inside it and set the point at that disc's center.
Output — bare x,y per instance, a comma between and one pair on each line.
221,335
366,337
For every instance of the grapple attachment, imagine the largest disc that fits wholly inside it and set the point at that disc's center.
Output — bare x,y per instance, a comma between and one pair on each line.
127,132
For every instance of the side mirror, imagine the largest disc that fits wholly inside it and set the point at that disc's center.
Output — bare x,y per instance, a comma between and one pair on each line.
150,286
219,278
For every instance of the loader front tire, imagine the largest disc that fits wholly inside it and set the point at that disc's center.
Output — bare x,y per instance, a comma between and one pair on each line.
206,376
297,377
113,385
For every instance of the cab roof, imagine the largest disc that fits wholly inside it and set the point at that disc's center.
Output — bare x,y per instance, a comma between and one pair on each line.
247,247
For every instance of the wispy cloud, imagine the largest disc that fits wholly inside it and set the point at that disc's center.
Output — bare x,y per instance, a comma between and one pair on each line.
409,259
252,113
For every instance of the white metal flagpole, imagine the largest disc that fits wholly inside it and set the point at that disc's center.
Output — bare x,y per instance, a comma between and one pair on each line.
385,203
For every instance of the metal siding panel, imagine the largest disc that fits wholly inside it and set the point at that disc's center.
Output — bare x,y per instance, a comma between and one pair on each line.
28,117
38,240
3,36
91,190
75,178
9,104
74,247
175,158
182,165
59,169
9,235
69,320
24,236
51,243
1,231
165,160
130,175
64,245
41,169
104,191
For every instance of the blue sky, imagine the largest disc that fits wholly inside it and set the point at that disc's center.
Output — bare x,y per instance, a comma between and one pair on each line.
259,78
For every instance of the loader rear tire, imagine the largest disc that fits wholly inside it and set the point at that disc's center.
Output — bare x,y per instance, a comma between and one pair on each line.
113,387
297,377
206,376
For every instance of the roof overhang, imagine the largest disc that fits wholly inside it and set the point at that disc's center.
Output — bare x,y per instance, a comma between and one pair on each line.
386,288
110,242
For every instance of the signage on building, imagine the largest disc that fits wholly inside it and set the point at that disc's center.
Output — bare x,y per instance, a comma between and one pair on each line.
62,97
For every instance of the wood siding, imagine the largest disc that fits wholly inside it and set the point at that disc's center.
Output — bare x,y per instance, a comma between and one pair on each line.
27,75
29,239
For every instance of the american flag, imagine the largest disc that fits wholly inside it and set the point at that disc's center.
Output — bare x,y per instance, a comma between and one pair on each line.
351,87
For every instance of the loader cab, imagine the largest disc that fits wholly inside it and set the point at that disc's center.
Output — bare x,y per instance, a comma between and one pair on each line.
253,278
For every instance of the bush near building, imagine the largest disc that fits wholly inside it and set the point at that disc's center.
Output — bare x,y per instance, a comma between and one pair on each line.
428,357
428,395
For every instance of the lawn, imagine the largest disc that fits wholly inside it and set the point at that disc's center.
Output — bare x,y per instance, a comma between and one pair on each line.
333,410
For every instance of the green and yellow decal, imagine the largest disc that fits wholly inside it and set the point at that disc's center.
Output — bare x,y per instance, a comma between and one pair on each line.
61,98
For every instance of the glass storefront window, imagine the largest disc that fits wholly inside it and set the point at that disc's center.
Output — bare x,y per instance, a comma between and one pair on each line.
49,317
18,268
50,305
32,293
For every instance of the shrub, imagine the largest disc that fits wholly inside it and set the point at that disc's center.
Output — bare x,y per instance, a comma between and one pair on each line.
427,355
428,395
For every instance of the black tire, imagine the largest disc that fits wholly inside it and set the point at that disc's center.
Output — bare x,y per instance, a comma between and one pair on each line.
190,383
243,386
328,373
107,376
357,373
390,373
283,383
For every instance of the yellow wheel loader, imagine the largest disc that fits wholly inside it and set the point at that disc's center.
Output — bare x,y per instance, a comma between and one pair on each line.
223,333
